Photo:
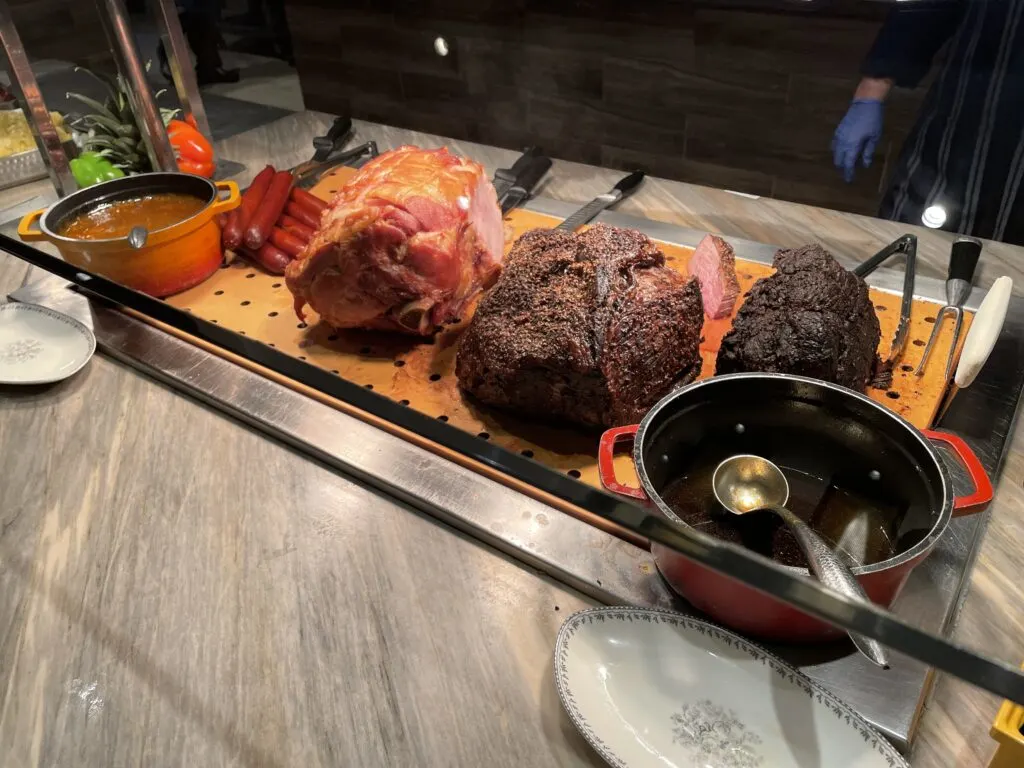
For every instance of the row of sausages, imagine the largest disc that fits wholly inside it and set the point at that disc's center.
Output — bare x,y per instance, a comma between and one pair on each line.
274,222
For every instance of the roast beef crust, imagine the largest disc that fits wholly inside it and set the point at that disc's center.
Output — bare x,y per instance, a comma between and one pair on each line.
811,318
590,328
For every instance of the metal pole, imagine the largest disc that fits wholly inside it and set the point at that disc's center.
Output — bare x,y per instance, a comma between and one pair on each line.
122,45
26,89
182,73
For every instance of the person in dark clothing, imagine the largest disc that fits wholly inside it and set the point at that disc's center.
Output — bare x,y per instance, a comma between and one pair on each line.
966,151
199,23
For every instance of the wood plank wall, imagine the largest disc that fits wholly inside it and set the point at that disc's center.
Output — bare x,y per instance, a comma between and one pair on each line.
68,30
741,95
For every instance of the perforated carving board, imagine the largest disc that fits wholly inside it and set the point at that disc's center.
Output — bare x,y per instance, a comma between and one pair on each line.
421,374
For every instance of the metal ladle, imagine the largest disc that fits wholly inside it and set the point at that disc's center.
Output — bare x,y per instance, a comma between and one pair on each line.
749,483
137,237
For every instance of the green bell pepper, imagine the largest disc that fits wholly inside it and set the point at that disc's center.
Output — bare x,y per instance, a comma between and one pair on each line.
90,168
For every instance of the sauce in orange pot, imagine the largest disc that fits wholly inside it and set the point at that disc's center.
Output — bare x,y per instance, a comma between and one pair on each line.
116,219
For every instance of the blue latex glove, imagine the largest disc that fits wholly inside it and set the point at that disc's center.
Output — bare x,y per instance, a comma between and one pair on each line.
858,134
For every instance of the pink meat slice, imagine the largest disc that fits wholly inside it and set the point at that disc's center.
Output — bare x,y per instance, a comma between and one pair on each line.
403,246
714,265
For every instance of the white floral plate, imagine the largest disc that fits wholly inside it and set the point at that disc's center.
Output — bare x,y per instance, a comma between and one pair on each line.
655,688
40,346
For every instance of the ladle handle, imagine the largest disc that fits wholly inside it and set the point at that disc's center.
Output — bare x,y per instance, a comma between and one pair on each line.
833,572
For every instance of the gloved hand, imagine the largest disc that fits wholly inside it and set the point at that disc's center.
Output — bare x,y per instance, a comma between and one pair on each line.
858,134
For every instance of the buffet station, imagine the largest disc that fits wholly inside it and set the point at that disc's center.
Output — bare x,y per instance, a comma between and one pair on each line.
758,449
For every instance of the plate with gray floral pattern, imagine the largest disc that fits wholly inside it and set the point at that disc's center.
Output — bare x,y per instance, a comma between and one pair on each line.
656,688
41,346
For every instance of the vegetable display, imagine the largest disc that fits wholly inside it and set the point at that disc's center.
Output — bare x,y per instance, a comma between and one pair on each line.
110,131
193,150
91,168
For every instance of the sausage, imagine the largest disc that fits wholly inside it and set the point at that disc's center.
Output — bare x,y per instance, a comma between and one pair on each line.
308,200
295,226
304,215
269,210
270,257
239,218
288,242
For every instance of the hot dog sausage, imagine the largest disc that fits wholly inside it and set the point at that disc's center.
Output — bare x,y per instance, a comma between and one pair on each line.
295,226
271,258
269,210
288,242
308,200
239,218
308,218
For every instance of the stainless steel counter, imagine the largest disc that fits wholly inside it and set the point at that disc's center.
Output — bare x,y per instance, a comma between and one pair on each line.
506,520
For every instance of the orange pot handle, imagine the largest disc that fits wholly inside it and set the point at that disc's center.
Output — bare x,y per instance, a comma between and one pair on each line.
232,201
25,230
979,500
606,461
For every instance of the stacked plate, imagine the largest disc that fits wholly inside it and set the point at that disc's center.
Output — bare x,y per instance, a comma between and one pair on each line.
41,346
654,688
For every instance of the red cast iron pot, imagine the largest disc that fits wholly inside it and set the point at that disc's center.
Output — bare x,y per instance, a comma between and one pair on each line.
807,426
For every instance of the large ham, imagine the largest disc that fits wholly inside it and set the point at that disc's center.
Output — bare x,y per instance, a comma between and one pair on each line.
403,246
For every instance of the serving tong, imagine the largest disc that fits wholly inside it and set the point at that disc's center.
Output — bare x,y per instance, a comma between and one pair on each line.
963,260
329,153
907,245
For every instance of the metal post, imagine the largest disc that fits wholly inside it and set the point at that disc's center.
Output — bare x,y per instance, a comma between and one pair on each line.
122,45
182,73
26,89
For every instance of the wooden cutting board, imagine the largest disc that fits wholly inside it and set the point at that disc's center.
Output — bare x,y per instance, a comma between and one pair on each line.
421,374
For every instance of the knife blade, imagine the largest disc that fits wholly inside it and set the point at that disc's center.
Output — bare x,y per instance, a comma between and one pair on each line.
620,191
523,187
504,178
732,560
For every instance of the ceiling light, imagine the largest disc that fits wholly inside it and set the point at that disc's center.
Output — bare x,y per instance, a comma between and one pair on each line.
934,216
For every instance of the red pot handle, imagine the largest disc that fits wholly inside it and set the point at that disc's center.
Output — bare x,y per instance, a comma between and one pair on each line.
606,461
979,500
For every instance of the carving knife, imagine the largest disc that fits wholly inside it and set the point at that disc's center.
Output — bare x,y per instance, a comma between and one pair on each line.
752,569
620,191
523,186
504,178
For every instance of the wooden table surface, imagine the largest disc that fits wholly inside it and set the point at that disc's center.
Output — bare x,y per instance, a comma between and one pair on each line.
176,589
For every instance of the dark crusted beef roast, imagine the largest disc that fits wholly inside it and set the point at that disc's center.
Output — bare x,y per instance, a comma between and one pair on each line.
588,327
811,318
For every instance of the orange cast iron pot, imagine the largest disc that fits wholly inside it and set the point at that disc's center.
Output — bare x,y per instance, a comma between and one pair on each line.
173,259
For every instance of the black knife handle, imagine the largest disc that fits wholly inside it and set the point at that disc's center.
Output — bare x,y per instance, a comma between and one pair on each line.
324,145
339,128
963,259
629,184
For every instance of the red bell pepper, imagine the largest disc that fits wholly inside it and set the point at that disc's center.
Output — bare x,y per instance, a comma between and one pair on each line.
194,152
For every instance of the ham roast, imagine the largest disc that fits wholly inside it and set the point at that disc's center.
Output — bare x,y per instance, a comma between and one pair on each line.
403,246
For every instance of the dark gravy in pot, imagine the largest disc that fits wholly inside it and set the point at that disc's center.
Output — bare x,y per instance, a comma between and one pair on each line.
860,529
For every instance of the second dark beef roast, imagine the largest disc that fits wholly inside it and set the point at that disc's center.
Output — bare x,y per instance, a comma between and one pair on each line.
588,327
811,318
